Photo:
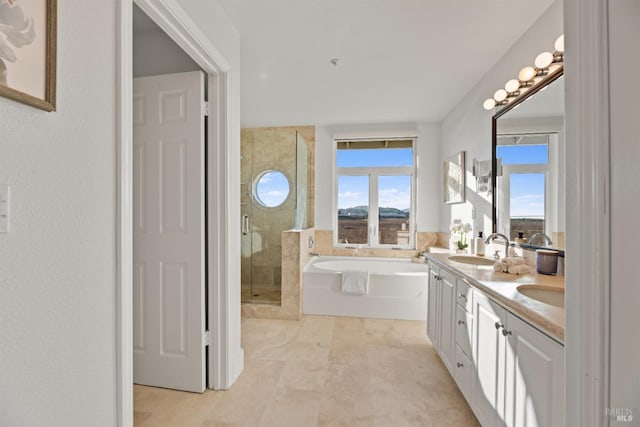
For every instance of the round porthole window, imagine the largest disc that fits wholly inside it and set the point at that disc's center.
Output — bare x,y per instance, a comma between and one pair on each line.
271,188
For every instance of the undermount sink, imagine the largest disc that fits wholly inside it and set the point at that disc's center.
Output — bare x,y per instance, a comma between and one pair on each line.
473,260
546,294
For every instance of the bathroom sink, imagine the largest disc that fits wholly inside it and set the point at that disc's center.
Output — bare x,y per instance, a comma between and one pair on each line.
473,260
546,294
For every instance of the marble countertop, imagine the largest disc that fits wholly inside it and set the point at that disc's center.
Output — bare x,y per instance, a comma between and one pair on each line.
501,287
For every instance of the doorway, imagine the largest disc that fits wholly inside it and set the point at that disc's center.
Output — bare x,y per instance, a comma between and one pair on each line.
225,358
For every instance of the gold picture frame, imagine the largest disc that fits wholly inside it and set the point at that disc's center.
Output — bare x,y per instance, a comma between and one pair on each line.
28,55
453,172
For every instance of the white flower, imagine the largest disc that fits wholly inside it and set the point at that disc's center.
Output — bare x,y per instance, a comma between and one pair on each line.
15,29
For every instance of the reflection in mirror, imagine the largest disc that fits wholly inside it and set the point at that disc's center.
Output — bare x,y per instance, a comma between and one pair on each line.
529,196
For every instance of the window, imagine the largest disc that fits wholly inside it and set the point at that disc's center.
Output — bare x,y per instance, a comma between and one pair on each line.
375,193
271,188
524,185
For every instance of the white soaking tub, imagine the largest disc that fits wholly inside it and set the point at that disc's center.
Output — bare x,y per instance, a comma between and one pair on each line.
397,288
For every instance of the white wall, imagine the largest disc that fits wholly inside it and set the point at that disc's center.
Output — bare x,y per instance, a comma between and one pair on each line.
428,173
57,265
468,126
155,53
624,25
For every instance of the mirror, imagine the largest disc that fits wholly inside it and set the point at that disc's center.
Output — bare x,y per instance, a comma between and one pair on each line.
528,164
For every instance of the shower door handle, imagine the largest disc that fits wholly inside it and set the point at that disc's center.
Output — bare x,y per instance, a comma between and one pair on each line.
245,225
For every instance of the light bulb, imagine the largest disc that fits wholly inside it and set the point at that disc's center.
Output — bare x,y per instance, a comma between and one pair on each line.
559,44
489,104
500,95
544,60
526,74
512,86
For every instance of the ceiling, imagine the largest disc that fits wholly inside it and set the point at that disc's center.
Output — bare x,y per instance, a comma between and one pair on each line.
400,60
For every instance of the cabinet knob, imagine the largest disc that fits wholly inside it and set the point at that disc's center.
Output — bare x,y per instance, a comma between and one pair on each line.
459,365
498,325
505,332
462,296
460,322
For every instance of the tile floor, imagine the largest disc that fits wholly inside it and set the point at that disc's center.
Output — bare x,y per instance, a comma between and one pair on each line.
321,371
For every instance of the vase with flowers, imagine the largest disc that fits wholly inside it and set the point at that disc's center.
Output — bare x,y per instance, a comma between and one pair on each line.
457,227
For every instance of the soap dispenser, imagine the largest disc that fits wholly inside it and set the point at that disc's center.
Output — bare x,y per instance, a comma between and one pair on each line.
521,238
478,244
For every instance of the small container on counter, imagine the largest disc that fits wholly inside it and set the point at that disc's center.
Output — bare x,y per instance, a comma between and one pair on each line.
478,244
546,261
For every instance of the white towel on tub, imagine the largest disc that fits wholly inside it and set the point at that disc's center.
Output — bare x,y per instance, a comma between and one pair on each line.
355,282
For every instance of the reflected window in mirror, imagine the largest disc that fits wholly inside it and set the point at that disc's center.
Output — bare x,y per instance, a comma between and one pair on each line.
522,186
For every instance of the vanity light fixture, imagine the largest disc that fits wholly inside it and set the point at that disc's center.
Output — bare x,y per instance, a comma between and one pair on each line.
544,60
528,76
512,86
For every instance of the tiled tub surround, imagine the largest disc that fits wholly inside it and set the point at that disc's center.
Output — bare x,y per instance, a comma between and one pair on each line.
501,287
424,240
295,255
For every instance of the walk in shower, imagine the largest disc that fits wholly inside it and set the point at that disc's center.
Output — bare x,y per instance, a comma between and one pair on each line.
276,195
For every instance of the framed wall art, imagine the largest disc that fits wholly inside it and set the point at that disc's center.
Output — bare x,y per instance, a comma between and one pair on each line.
28,52
453,178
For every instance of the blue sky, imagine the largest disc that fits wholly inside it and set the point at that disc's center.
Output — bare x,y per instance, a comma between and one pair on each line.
393,191
272,188
527,190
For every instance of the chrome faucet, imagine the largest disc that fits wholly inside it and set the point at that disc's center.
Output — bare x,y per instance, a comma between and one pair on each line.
493,236
547,239
313,254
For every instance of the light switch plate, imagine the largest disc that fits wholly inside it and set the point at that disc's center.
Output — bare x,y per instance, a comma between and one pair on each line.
5,208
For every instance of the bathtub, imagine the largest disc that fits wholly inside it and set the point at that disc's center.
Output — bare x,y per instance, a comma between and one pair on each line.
397,288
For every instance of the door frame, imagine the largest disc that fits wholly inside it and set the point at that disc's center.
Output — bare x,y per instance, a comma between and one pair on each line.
170,17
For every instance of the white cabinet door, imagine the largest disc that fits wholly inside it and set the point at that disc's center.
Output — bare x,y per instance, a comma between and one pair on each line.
168,231
447,317
433,325
534,394
488,357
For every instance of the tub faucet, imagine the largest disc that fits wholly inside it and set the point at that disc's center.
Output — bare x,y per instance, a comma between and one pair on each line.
313,254
493,236
533,238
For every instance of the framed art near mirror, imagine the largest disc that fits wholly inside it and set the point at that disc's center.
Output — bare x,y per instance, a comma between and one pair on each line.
453,178
28,52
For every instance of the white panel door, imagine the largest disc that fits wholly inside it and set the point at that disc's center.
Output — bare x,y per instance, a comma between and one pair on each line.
534,394
488,356
169,234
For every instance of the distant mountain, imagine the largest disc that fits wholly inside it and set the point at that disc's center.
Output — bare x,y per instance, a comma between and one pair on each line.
393,213
359,212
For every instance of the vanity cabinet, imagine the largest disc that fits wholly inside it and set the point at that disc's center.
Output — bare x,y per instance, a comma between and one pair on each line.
510,372
441,313
520,370
463,368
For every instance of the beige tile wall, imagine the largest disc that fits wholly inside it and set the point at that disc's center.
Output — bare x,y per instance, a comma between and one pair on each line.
266,149
424,240
295,255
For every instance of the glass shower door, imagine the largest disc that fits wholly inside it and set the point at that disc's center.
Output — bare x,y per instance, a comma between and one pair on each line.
269,202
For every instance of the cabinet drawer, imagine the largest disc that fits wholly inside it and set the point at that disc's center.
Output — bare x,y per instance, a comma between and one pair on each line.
462,371
464,329
464,295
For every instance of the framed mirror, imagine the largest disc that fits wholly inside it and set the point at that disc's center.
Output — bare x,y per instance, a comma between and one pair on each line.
528,165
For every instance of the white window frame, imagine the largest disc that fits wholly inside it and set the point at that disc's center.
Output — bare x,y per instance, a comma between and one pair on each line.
374,173
503,186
